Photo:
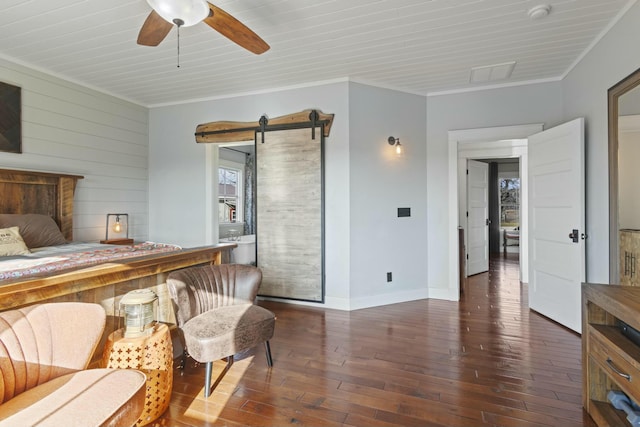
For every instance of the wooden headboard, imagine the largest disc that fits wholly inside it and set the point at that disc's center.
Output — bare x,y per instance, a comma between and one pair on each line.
44,193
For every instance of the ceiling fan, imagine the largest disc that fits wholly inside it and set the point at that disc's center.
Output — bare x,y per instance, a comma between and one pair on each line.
185,13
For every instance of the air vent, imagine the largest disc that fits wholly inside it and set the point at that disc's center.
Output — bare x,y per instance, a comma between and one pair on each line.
490,73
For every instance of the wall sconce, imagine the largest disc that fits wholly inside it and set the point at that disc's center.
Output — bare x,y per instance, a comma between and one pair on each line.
139,312
118,226
395,141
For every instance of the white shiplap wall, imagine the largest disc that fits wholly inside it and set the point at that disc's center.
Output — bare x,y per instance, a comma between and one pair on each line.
72,129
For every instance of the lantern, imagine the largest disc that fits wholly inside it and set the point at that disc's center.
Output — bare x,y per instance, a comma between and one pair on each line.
139,312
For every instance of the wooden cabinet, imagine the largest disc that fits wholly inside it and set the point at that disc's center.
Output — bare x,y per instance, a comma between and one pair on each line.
629,257
610,360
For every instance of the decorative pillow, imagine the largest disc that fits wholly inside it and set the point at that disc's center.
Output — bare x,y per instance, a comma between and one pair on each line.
11,242
36,230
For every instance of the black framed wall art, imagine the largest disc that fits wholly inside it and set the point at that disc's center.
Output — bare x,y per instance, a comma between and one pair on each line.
10,118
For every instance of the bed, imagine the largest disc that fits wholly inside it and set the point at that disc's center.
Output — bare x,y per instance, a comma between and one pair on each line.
49,195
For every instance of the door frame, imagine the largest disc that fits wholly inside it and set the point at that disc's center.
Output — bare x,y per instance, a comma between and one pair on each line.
212,162
493,142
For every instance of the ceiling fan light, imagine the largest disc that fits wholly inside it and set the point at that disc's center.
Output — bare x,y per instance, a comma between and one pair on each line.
189,11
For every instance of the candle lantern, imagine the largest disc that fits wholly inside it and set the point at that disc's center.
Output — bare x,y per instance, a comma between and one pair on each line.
139,308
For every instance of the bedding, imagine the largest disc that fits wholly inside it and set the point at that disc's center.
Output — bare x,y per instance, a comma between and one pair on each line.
71,256
36,230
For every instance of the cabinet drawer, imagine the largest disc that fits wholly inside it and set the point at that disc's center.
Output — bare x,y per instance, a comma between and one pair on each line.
619,366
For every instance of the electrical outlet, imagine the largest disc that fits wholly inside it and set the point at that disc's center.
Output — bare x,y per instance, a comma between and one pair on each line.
389,276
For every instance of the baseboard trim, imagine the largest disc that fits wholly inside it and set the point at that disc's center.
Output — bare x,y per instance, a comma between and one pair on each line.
360,303
444,294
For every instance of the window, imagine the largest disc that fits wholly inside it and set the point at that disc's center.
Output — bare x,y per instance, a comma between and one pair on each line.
229,195
509,202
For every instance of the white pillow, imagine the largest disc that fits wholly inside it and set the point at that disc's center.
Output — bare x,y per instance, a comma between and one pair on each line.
11,242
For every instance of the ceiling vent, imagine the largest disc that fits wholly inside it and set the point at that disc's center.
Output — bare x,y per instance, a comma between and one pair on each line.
490,73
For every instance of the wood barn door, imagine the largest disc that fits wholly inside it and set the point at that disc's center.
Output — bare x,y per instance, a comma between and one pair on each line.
289,214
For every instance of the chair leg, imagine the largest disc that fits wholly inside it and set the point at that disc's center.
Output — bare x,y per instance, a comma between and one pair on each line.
268,348
185,353
207,379
208,387
183,361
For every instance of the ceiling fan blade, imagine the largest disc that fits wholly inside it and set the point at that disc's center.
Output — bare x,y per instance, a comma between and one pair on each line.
235,30
154,30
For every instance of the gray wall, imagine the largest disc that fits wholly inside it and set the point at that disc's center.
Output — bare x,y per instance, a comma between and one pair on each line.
177,172
585,94
582,93
363,186
380,183
366,187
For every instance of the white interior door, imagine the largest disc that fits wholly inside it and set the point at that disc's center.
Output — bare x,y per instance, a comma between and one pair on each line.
557,222
478,217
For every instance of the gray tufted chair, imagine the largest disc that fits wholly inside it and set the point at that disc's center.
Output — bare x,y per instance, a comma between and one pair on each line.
216,313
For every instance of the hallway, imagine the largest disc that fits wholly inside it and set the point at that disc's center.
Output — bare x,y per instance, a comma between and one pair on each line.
485,361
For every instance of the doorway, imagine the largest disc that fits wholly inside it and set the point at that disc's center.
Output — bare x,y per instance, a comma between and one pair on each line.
546,158
236,191
497,142
515,149
494,195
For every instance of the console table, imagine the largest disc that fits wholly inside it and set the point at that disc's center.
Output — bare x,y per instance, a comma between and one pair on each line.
610,360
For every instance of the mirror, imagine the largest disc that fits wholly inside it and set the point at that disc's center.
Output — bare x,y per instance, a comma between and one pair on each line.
236,190
624,174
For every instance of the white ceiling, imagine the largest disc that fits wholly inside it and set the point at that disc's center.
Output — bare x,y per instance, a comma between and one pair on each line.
419,46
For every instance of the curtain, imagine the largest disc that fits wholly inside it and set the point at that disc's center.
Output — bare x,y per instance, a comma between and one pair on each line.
249,194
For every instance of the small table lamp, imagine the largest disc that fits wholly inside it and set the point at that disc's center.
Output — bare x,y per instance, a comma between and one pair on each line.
119,226
139,312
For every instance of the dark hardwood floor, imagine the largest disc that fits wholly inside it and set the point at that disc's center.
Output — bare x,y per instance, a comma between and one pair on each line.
486,361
